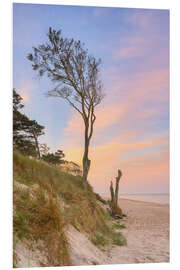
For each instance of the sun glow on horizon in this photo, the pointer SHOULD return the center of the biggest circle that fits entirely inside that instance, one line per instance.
(25, 97)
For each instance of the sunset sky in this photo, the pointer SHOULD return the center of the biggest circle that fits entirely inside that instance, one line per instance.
(132, 128)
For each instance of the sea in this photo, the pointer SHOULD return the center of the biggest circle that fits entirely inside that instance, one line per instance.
(160, 198)
(156, 198)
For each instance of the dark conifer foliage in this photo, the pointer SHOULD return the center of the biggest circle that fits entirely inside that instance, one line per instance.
(25, 131)
(54, 158)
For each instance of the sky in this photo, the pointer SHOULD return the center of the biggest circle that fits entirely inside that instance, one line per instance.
(131, 131)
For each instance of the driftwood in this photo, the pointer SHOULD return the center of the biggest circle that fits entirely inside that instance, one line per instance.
(115, 210)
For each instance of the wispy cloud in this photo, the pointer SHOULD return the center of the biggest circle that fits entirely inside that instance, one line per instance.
(146, 34)
(139, 160)
(151, 87)
(147, 19)
(129, 52)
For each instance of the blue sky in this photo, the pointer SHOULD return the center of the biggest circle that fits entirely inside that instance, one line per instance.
(134, 47)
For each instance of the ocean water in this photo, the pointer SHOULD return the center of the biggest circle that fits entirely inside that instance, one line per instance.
(156, 198)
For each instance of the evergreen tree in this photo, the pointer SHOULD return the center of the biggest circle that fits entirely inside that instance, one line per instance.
(35, 130)
(44, 149)
(54, 158)
(25, 131)
(17, 101)
(60, 155)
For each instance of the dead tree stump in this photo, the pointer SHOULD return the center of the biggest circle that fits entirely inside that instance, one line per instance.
(113, 203)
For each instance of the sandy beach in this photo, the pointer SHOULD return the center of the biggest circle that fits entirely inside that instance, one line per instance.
(147, 233)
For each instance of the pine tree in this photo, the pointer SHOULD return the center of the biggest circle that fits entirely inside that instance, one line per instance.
(54, 158)
(25, 131)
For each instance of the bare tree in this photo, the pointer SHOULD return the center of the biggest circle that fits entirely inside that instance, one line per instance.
(115, 209)
(75, 74)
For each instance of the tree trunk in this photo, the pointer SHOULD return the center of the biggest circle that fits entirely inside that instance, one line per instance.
(37, 145)
(112, 192)
(86, 162)
(86, 167)
(117, 187)
(114, 195)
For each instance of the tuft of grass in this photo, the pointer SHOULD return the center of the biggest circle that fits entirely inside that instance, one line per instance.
(100, 240)
(108, 216)
(119, 226)
(119, 239)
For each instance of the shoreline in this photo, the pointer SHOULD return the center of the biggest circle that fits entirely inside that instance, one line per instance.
(106, 197)
(158, 204)
(145, 202)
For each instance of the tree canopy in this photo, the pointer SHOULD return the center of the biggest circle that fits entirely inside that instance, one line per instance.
(75, 75)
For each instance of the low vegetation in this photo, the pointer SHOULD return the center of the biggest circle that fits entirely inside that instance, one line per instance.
(46, 201)
(119, 226)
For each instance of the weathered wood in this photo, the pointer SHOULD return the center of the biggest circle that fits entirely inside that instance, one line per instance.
(112, 192)
(114, 196)
(117, 187)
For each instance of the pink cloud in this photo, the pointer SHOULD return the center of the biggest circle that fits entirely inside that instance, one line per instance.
(146, 168)
(124, 111)
(139, 161)
(136, 46)
(129, 52)
(149, 85)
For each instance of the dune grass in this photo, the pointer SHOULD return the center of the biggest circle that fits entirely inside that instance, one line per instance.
(47, 199)
(39, 218)
(119, 226)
